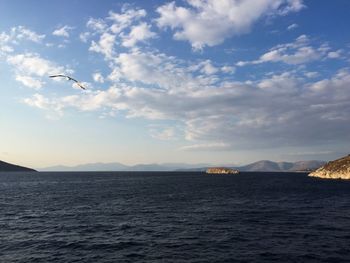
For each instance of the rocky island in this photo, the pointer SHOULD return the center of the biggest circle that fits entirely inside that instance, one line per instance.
(337, 169)
(8, 167)
(221, 170)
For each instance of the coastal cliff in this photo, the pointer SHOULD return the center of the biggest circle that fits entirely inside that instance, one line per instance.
(337, 169)
(220, 170)
(8, 167)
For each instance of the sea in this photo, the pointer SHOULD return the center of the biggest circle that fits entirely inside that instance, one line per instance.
(173, 217)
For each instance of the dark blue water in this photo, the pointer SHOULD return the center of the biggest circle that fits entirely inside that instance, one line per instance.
(173, 217)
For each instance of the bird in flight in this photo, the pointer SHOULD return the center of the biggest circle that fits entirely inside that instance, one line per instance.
(68, 78)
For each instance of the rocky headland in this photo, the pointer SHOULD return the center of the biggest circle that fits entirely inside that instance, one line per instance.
(337, 169)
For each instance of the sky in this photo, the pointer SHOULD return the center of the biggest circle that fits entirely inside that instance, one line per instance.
(191, 81)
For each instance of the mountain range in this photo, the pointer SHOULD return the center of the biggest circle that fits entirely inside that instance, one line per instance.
(122, 167)
(261, 166)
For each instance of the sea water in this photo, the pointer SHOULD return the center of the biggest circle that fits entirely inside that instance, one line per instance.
(173, 217)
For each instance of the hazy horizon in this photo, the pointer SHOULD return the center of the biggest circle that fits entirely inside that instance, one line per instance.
(168, 164)
(215, 82)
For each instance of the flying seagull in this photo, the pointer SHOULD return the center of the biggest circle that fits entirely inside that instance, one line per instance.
(68, 78)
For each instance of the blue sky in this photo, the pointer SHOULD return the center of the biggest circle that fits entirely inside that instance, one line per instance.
(194, 81)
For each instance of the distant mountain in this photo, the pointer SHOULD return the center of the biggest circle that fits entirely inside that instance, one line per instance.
(269, 166)
(164, 167)
(102, 167)
(8, 167)
(307, 165)
(261, 166)
(149, 167)
(265, 166)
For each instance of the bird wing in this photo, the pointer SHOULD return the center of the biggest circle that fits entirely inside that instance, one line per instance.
(81, 86)
(77, 82)
(58, 75)
(69, 78)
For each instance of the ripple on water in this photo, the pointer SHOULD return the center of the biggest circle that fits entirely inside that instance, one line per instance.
(173, 217)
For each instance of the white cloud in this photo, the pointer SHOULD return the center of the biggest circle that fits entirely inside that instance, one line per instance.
(160, 71)
(38, 100)
(115, 75)
(208, 68)
(22, 32)
(4, 38)
(94, 100)
(163, 134)
(139, 33)
(284, 82)
(5, 49)
(212, 113)
(97, 25)
(62, 32)
(29, 81)
(104, 45)
(17, 34)
(84, 37)
(85, 84)
(291, 6)
(228, 69)
(10, 41)
(335, 54)
(33, 64)
(292, 27)
(334, 85)
(30, 68)
(210, 22)
(302, 55)
(147, 67)
(298, 52)
(52, 107)
(125, 28)
(125, 19)
(98, 77)
(312, 74)
(281, 110)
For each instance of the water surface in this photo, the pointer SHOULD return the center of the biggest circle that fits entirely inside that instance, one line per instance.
(173, 217)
